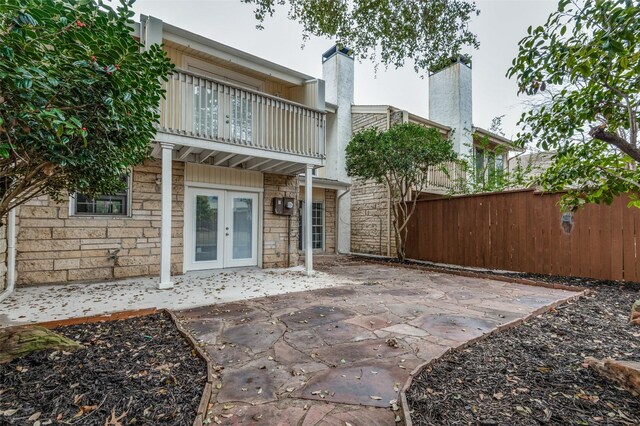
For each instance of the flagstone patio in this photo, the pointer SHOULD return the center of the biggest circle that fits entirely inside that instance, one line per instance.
(339, 355)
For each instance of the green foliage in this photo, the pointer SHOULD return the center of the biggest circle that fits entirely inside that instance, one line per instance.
(583, 65)
(78, 100)
(400, 158)
(423, 31)
(490, 174)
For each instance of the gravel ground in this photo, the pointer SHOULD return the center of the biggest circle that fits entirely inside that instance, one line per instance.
(534, 374)
(136, 371)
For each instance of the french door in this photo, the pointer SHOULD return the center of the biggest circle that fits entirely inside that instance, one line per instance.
(221, 228)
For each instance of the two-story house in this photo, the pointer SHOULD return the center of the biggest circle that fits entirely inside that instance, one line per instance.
(221, 188)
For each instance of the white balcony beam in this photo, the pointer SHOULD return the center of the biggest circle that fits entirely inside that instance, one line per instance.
(184, 153)
(308, 235)
(219, 159)
(273, 166)
(203, 156)
(165, 230)
(225, 147)
(254, 164)
(239, 161)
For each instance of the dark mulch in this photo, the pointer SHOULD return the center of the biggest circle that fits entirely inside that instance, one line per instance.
(533, 374)
(140, 367)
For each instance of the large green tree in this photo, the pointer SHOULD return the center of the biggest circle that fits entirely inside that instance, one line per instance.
(78, 97)
(399, 158)
(390, 32)
(583, 69)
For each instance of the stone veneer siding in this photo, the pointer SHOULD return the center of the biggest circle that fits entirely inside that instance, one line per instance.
(371, 228)
(53, 247)
(274, 246)
(3, 255)
(328, 197)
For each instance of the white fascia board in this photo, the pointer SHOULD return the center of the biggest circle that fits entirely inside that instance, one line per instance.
(235, 56)
(319, 182)
(428, 122)
(497, 139)
(370, 109)
(223, 147)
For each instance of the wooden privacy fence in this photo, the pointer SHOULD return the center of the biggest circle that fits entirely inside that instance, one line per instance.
(525, 231)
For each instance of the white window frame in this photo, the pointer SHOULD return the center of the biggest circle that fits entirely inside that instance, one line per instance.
(303, 226)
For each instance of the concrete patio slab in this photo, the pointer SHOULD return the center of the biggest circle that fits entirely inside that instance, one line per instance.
(63, 301)
(340, 355)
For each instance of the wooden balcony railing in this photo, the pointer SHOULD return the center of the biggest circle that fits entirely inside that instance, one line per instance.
(206, 108)
(438, 179)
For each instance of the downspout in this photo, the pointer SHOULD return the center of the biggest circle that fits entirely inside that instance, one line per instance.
(338, 221)
(389, 226)
(11, 255)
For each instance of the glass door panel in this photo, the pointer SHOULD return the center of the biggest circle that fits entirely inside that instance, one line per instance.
(206, 241)
(242, 228)
(204, 221)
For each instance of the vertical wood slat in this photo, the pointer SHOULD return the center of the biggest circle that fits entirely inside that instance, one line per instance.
(522, 231)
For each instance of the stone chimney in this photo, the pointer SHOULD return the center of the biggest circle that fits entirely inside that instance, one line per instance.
(337, 72)
(450, 103)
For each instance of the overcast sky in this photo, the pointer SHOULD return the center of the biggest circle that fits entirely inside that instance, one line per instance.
(501, 24)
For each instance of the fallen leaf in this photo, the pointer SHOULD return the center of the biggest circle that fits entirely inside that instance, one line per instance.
(377, 398)
(498, 395)
(35, 416)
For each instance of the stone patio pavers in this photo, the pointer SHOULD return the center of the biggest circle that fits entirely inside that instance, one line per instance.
(339, 355)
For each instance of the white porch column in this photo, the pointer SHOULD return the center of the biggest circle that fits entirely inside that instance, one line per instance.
(165, 233)
(308, 207)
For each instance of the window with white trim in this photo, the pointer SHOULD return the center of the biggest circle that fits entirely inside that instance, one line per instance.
(103, 205)
(317, 225)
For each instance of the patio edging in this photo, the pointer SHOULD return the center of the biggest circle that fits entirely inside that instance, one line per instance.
(406, 415)
(201, 412)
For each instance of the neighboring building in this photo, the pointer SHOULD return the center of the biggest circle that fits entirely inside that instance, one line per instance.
(235, 133)
(450, 111)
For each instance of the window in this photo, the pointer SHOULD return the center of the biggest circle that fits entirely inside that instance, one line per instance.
(111, 205)
(205, 114)
(205, 111)
(317, 226)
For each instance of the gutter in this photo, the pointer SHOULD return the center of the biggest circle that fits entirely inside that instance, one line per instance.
(11, 255)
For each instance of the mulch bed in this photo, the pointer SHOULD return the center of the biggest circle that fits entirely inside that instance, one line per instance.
(135, 371)
(534, 374)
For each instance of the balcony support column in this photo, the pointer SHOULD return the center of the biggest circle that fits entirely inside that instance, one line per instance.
(308, 234)
(165, 231)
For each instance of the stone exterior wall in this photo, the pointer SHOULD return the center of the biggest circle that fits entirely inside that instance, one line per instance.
(371, 228)
(328, 197)
(54, 247)
(3, 255)
(274, 237)
(330, 220)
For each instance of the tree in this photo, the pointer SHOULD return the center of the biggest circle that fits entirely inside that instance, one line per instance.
(393, 31)
(400, 159)
(78, 99)
(485, 169)
(584, 66)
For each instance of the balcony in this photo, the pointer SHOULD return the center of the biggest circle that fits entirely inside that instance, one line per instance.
(211, 116)
(441, 182)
